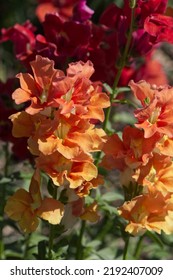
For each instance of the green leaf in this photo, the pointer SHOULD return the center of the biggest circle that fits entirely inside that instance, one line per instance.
(170, 3)
(50, 187)
(155, 238)
(5, 180)
(63, 196)
(106, 254)
(112, 210)
(102, 171)
(123, 89)
(107, 88)
(94, 243)
(124, 117)
(111, 196)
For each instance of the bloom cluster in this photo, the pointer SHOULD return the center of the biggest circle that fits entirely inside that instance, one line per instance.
(144, 157)
(60, 124)
(69, 34)
(63, 106)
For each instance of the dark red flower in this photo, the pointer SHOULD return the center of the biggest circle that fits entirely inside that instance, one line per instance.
(64, 3)
(160, 28)
(68, 36)
(81, 12)
(147, 7)
(22, 37)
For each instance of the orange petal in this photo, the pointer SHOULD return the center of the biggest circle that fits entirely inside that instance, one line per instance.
(142, 90)
(20, 96)
(51, 210)
(27, 83)
(43, 69)
(90, 214)
(86, 170)
(34, 190)
(23, 125)
(29, 222)
(80, 69)
(17, 204)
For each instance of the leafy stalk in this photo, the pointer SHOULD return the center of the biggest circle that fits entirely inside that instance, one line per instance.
(52, 230)
(126, 248)
(2, 196)
(79, 252)
(107, 115)
(138, 248)
(115, 91)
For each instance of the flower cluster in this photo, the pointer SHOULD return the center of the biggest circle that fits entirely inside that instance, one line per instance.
(69, 34)
(61, 112)
(144, 157)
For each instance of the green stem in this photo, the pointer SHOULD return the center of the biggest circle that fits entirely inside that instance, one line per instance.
(121, 66)
(126, 248)
(108, 224)
(117, 78)
(51, 231)
(7, 158)
(79, 252)
(3, 198)
(137, 251)
(27, 241)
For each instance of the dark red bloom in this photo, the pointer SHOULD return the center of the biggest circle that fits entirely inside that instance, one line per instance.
(160, 28)
(147, 7)
(64, 3)
(22, 37)
(68, 36)
(81, 12)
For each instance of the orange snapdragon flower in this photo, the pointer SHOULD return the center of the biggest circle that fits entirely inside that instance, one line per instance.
(60, 126)
(165, 146)
(72, 171)
(90, 213)
(151, 211)
(131, 151)
(26, 207)
(156, 115)
(41, 88)
(76, 209)
(158, 173)
(72, 94)
(68, 136)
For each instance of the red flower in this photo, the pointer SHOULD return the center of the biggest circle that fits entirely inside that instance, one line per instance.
(160, 28)
(21, 35)
(68, 36)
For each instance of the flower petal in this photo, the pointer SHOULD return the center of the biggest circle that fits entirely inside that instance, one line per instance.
(51, 210)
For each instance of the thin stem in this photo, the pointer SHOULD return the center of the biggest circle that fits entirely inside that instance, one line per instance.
(2, 198)
(117, 78)
(7, 158)
(126, 248)
(79, 252)
(108, 224)
(122, 64)
(52, 231)
(138, 248)
(27, 241)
